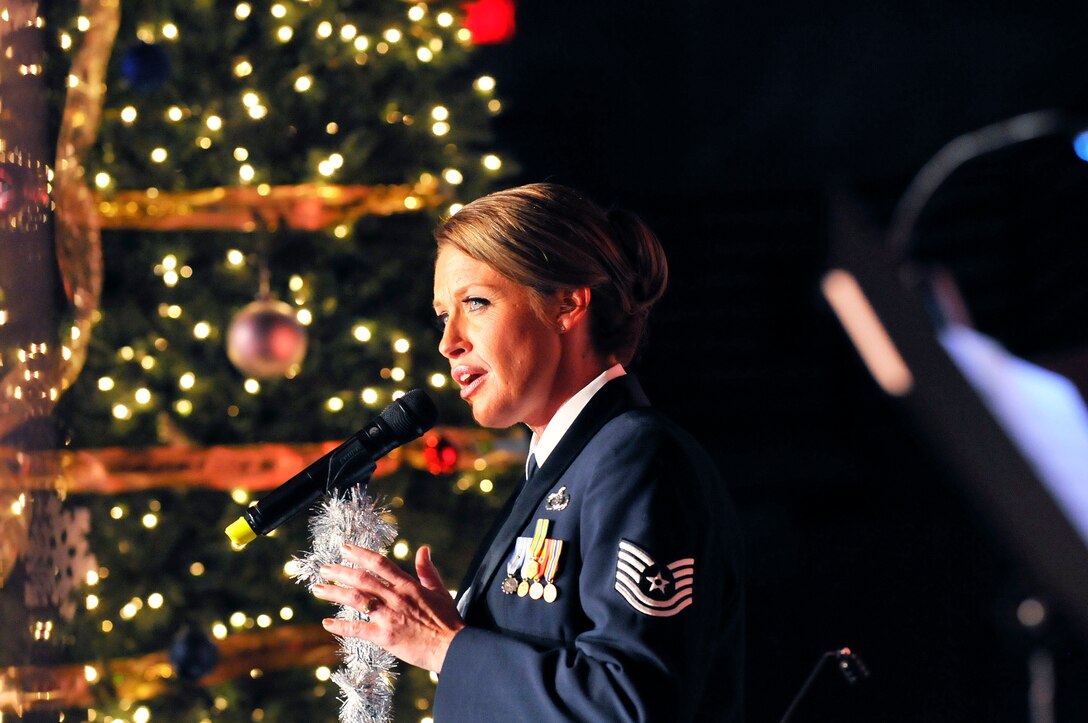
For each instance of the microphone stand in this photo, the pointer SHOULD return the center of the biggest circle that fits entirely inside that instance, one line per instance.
(852, 667)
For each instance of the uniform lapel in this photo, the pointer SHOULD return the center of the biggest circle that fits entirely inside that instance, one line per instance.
(614, 398)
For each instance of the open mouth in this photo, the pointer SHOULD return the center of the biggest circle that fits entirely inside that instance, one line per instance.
(467, 379)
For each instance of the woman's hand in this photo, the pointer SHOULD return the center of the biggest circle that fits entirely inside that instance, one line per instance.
(413, 620)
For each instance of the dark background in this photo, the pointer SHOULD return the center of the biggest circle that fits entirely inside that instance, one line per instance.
(732, 128)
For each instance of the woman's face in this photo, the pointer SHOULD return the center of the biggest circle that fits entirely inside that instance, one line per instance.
(504, 358)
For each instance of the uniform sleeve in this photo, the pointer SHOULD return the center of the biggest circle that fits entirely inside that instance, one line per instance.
(655, 581)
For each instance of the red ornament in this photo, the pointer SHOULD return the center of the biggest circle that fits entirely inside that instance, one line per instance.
(439, 454)
(490, 21)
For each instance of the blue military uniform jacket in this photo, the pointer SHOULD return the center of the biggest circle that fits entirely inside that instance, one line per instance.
(646, 621)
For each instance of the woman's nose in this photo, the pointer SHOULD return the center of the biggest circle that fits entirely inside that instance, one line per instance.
(453, 343)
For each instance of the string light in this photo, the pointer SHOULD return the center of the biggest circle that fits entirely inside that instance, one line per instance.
(362, 43)
(128, 115)
(284, 33)
(334, 404)
(170, 31)
(348, 32)
(202, 329)
(242, 11)
(324, 29)
(174, 113)
(252, 386)
(401, 345)
(369, 395)
(392, 35)
(158, 155)
(453, 176)
(278, 10)
(484, 83)
(416, 12)
(425, 55)
(492, 162)
(438, 380)
(303, 83)
(243, 68)
(213, 122)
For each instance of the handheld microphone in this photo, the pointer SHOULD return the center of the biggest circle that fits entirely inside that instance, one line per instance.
(353, 462)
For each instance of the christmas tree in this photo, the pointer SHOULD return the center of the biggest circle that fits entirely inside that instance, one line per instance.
(266, 178)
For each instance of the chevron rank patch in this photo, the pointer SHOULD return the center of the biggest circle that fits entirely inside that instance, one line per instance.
(659, 590)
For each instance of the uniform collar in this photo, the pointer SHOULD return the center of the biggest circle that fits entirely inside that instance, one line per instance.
(540, 446)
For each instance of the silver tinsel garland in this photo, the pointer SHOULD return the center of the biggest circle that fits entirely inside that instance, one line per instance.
(366, 678)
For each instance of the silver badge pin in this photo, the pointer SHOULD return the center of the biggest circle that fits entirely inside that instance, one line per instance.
(557, 500)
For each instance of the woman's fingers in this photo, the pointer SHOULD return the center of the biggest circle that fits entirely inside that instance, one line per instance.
(349, 628)
(426, 570)
(364, 601)
(377, 565)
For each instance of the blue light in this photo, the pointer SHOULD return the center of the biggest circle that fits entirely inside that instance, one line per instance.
(1080, 145)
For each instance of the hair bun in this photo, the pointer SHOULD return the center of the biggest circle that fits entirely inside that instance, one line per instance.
(647, 272)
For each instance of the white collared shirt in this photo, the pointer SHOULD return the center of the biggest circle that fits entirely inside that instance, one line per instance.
(542, 445)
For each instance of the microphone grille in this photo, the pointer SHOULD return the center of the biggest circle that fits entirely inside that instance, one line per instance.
(411, 415)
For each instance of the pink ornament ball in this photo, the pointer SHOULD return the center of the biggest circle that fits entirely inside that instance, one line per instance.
(265, 339)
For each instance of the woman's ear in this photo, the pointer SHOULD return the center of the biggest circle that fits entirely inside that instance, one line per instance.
(573, 308)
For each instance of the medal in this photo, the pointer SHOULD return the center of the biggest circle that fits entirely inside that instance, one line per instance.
(510, 583)
(536, 590)
(531, 568)
(553, 548)
(523, 588)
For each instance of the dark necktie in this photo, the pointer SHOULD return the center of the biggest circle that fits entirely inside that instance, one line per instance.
(531, 468)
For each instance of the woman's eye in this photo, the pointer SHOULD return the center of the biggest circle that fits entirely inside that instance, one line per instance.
(440, 321)
(475, 303)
